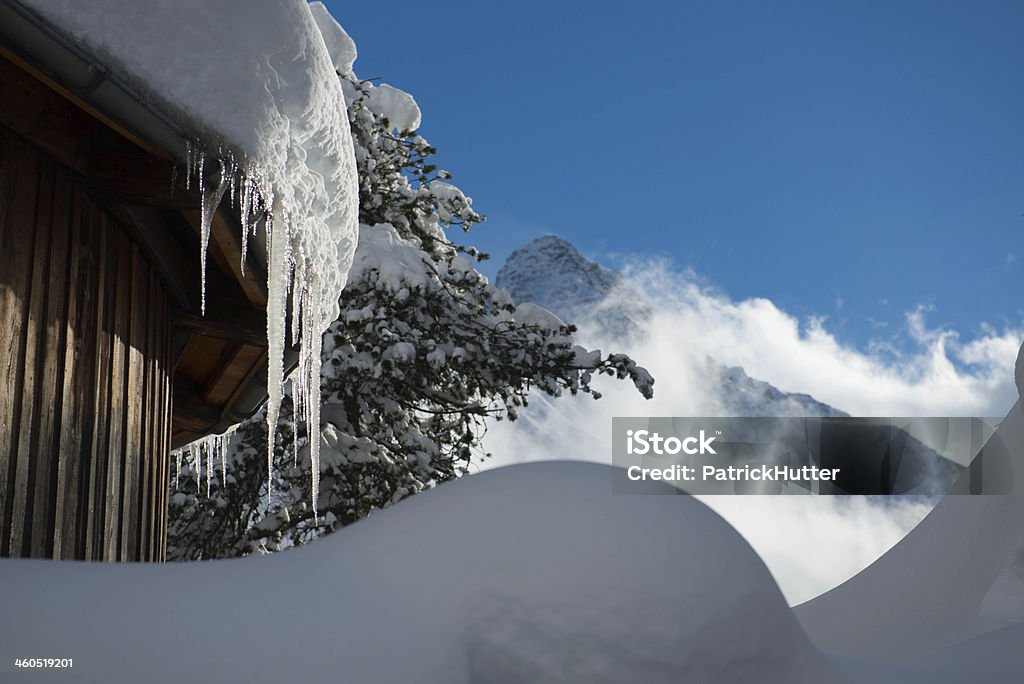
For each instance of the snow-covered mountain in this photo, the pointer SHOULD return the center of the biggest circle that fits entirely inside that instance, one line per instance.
(551, 273)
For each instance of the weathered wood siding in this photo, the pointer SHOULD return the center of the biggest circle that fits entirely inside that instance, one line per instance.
(85, 373)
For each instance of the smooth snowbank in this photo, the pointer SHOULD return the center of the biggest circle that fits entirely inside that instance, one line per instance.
(958, 574)
(532, 573)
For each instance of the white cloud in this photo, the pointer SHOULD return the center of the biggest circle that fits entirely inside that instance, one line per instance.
(942, 374)
(936, 373)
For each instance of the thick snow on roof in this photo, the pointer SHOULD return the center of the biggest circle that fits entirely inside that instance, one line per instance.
(254, 83)
(253, 78)
(339, 45)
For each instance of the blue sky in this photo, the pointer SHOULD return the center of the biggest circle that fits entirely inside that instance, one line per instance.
(848, 160)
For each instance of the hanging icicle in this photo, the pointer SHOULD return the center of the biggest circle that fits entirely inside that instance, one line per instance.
(213, 448)
(292, 276)
(197, 465)
(209, 465)
(177, 472)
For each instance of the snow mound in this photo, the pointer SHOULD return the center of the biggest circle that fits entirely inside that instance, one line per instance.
(958, 574)
(532, 573)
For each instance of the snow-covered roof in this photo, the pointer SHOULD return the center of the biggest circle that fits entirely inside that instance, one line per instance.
(248, 78)
(253, 86)
(341, 48)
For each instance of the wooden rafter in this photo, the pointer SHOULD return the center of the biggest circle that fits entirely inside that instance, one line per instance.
(224, 242)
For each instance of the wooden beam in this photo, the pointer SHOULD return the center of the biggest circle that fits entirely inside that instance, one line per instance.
(235, 368)
(258, 366)
(225, 240)
(37, 113)
(194, 416)
(244, 327)
(77, 102)
(120, 172)
(190, 342)
(190, 411)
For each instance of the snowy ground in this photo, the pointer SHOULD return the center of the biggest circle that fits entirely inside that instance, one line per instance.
(532, 573)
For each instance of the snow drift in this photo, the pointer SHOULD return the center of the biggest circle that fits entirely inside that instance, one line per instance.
(533, 573)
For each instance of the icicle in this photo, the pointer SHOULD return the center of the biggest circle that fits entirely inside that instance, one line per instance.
(290, 275)
(244, 209)
(296, 411)
(201, 173)
(212, 446)
(197, 453)
(190, 151)
(209, 464)
(298, 294)
(224, 441)
(278, 275)
(311, 347)
(211, 200)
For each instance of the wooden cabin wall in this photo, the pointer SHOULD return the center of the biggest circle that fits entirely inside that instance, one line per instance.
(85, 373)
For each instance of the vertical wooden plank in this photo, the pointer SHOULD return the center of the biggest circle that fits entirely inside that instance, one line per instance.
(156, 490)
(155, 455)
(19, 178)
(134, 414)
(147, 453)
(70, 437)
(86, 370)
(115, 455)
(158, 425)
(78, 518)
(10, 304)
(99, 449)
(158, 487)
(54, 216)
(25, 215)
(166, 412)
(160, 455)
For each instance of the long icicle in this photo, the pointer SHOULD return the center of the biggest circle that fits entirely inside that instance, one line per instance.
(289, 271)
(277, 277)
(211, 197)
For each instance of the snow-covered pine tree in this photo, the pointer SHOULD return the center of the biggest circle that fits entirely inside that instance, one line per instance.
(426, 352)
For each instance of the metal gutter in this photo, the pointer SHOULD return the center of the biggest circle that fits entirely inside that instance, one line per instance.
(81, 75)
